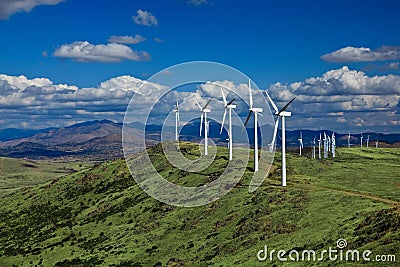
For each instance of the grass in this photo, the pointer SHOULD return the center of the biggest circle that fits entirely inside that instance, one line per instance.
(102, 217)
(18, 173)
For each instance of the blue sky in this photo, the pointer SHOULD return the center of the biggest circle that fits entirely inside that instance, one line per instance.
(270, 41)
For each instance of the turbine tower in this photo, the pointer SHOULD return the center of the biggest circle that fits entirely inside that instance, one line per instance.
(177, 122)
(281, 113)
(319, 146)
(325, 146)
(348, 140)
(367, 141)
(301, 142)
(204, 110)
(361, 138)
(229, 106)
(255, 111)
(333, 145)
(329, 144)
(313, 144)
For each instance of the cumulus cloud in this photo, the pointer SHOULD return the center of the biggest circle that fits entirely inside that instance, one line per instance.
(9, 7)
(126, 39)
(145, 18)
(86, 52)
(363, 54)
(340, 99)
(341, 96)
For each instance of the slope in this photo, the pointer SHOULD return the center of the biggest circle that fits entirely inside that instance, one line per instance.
(102, 217)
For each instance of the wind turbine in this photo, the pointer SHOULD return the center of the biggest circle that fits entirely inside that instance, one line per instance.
(281, 113)
(329, 144)
(376, 143)
(333, 145)
(255, 111)
(301, 142)
(361, 138)
(325, 146)
(348, 140)
(177, 122)
(229, 106)
(203, 117)
(313, 143)
(319, 146)
(367, 140)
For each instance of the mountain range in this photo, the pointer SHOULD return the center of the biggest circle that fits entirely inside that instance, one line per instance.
(100, 140)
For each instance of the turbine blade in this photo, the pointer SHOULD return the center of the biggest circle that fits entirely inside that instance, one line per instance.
(275, 132)
(247, 120)
(177, 105)
(223, 122)
(223, 97)
(230, 102)
(272, 102)
(208, 102)
(179, 120)
(201, 122)
(199, 105)
(251, 96)
(286, 106)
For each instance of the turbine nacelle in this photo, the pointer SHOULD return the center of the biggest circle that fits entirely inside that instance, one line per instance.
(284, 114)
(258, 110)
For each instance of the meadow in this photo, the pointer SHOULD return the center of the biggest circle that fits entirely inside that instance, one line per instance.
(100, 216)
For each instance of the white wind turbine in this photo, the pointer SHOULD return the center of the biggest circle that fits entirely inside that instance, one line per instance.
(325, 146)
(255, 111)
(281, 113)
(329, 144)
(203, 117)
(301, 142)
(367, 142)
(313, 144)
(361, 138)
(319, 146)
(348, 140)
(333, 145)
(229, 106)
(376, 143)
(177, 122)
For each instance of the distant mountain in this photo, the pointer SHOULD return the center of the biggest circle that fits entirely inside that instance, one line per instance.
(93, 140)
(12, 133)
(101, 140)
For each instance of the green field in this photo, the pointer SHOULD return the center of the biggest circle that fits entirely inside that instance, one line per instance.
(18, 173)
(101, 216)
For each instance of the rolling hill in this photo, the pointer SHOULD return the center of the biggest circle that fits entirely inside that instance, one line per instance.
(100, 217)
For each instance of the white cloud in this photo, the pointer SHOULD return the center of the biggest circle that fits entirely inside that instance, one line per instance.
(341, 95)
(145, 18)
(197, 2)
(340, 99)
(158, 40)
(363, 54)
(9, 7)
(126, 39)
(86, 52)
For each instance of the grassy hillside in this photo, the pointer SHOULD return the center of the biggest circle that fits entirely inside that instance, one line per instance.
(101, 216)
(17, 173)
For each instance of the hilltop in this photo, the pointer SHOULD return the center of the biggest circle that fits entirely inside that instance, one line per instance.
(100, 216)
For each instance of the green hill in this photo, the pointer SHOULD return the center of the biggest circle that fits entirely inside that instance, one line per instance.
(101, 216)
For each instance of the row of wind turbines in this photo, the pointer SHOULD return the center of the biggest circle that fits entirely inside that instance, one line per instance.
(255, 111)
(349, 144)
